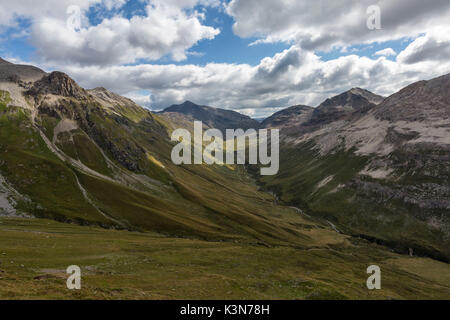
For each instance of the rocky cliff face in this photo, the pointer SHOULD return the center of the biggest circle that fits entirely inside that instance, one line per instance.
(59, 84)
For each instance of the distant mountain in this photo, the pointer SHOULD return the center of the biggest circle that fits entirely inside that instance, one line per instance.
(212, 117)
(260, 120)
(290, 117)
(344, 105)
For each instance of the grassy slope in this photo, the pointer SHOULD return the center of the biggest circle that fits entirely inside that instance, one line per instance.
(130, 265)
(27, 163)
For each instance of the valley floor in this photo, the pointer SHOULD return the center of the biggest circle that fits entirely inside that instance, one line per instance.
(35, 253)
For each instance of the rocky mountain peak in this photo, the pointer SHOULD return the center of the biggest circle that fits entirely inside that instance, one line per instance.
(102, 92)
(371, 97)
(344, 105)
(58, 83)
(188, 103)
(110, 99)
(186, 107)
(353, 99)
(99, 89)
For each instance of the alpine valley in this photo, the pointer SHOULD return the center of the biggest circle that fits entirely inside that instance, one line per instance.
(86, 178)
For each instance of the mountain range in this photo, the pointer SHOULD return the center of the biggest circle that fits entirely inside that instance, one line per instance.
(359, 173)
(377, 167)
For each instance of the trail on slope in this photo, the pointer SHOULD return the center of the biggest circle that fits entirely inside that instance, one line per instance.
(80, 166)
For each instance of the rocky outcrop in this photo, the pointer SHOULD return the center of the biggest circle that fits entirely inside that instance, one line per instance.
(110, 99)
(58, 83)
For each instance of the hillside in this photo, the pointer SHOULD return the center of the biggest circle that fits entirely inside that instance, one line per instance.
(95, 158)
(86, 176)
(381, 173)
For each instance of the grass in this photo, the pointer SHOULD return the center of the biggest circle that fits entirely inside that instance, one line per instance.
(37, 173)
(131, 265)
(89, 154)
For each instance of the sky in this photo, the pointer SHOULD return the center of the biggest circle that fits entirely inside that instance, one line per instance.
(252, 56)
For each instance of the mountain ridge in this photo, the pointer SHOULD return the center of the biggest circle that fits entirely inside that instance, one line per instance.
(283, 118)
(217, 118)
(17, 72)
(94, 158)
(344, 105)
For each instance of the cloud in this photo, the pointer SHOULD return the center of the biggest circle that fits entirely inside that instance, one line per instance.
(434, 46)
(166, 29)
(388, 52)
(11, 11)
(325, 24)
(141, 99)
(103, 54)
(292, 77)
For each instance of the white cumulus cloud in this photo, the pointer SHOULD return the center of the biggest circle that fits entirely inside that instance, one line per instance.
(433, 46)
(292, 77)
(167, 28)
(388, 52)
(324, 24)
